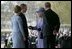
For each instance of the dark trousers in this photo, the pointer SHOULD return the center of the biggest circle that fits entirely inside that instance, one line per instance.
(6, 40)
(51, 41)
(26, 43)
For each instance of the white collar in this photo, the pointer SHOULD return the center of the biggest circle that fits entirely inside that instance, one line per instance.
(15, 14)
(47, 8)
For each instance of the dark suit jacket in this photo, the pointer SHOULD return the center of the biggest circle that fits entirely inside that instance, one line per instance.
(24, 24)
(52, 20)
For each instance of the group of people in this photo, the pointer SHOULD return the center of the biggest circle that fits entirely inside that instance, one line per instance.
(47, 25)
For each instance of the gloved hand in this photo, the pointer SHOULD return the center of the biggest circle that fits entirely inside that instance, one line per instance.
(30, 27)
(41, 35)
(39, 29)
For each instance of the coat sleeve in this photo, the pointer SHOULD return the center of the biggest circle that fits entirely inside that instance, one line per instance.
(57, 24)
(20, 26)
(36, 28)
(45, 27)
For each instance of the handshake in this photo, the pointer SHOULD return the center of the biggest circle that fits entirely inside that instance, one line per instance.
(34, 28)
(30, 27)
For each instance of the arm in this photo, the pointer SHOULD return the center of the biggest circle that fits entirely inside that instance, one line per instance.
(34, 28)
(45, 27)
(21, 27)
(31, 27)
(57, 25)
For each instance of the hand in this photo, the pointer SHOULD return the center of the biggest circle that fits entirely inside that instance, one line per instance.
(39, 29)
(30, 27)
(54, 32)
(58, 46)
(24, 39)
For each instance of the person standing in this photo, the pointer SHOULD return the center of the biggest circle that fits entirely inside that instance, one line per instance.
(39, 27)
(18, 34)
(51, 27)
(25, 28)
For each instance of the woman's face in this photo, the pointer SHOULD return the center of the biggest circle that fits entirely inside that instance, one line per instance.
(39, 14)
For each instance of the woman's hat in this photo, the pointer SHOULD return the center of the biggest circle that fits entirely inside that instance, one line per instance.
(40, 10)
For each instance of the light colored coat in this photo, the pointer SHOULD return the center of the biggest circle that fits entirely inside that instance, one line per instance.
(17, 32)
(40, 25)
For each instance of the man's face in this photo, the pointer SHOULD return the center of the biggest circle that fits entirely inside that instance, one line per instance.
(24, 9)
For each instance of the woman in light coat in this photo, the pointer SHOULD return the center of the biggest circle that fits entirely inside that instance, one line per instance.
(39, 27)
(18, 36)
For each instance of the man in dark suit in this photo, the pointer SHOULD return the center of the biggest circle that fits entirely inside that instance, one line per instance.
(24, 9)
(51, 27)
